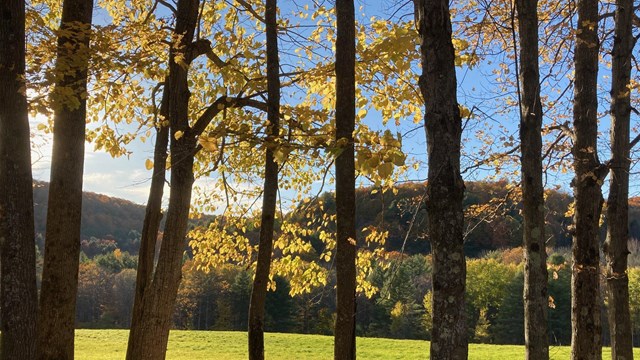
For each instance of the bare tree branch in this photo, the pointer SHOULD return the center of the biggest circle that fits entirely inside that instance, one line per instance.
(223, 102)
(250, 9)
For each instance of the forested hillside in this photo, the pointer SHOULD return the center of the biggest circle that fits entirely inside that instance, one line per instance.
(494, 219)
(492, 211)
(103, 217)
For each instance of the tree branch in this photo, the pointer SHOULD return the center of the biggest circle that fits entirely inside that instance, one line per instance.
(634, 142)
(479, 163)
(564, 127)
(223, 102)
(250, 9)
(203, 47)
(169, 6)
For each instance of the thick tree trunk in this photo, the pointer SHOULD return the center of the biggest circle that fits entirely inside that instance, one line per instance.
(270, 193)
(586, 342)
(19, 297)
(618, 204)
(152, 219)
(445, 188)
(535, 255)
(152, 333)
(62, 247)
(149, 339)
(345, 337)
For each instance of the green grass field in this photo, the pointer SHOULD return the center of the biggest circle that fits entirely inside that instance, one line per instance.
(201, 345)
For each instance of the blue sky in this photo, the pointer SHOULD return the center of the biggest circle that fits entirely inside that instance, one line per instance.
(126, 177)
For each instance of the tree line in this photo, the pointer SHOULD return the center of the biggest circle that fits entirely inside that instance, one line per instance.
(217, 300)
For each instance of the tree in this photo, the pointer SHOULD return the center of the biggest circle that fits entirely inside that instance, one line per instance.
(240, 298)
(586, 340)
(18, 298)
(56, 314)
(150, 333)
(615, 247)
(509, 321)
(279, 307)
(445, 188)
(634, 300)
(560, 307)
(508, 327)
(152, 218)
(345, 326)
(119, 309)
(270, 188)
(94, 288)
(149, 336)
(535, 267)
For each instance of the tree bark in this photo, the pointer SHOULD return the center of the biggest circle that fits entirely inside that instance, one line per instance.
(270, 193)
(345, 337)
(152, 219)
(19, 296)
(149, 339)
(62, 247)
(535, 255)
(615, 247)
(445, 188)
(586, 342)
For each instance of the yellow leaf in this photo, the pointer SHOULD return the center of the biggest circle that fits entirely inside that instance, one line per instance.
(208, 143)
(385, 170)
(398, 159)
(178, 134)
(464, 111)
(148, 164)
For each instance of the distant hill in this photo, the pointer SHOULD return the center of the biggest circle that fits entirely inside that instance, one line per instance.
(110, 218)
(403, 215)
(103, 217)
(484, 231)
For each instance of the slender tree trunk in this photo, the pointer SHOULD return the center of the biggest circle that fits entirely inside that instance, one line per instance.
(19, 296)
(445, 188)
(149, 339)
(270, 193)
(62, 246)
(345, 337)
(615, 248)
(535, 255)
(152, 218)
(586, 342)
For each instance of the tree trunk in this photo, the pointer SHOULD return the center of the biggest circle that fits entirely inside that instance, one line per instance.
(152, 218)
(152, 333)
(615, 247)
(535, 255)
(445, 188)
(270, 193)
(345, 337)
(149, 339)
(19, 296)
(62, 247)
(586, 342)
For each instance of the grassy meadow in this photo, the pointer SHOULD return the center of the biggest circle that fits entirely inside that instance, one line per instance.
(227, 345)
